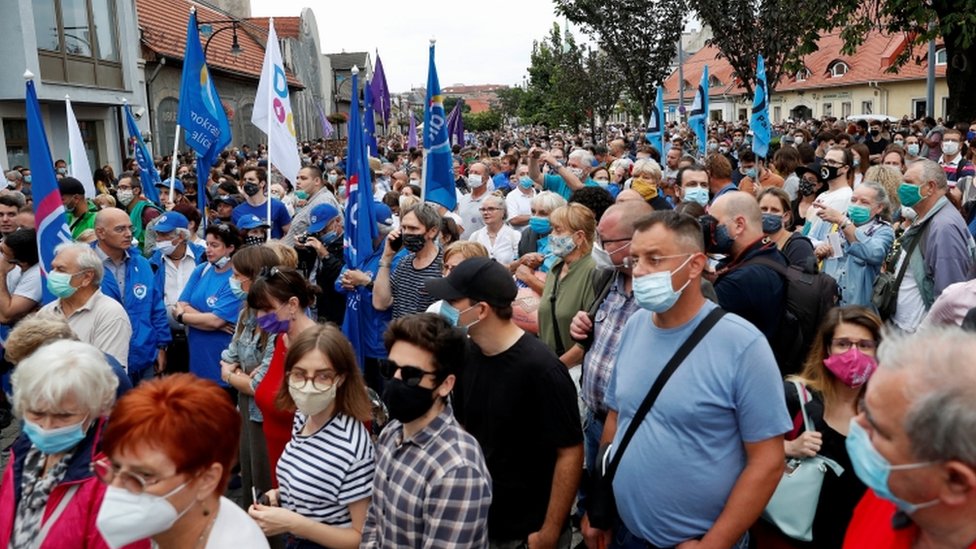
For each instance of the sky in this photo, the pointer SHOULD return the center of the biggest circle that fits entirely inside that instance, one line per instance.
(478, 42)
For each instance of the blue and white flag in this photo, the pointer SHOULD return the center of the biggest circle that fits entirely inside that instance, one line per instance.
(360, 225)
(438, 161)
(147, 169)
(759, 121)
(698, 117)
(655, 126)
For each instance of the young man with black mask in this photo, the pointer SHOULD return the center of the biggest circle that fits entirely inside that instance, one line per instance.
(256, 203)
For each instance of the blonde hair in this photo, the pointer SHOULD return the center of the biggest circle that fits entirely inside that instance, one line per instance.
(466, 249)
(576, 217)
(888, 177)
(32, 332)
(287, 256)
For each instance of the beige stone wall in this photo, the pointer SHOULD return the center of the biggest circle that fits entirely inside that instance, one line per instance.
(892, 98)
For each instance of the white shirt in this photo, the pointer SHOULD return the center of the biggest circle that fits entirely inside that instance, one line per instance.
(469, 208)
(177, 274)
(838, 200)
(235, 528)
(518, 203)
(505, 248)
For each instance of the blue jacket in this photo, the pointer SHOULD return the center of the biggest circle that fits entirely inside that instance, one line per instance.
(856, 271)
(156, 262)
(144, 304)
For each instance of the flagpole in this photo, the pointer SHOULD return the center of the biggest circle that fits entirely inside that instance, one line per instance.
(423, 168)
(172, 169)
(270, 121)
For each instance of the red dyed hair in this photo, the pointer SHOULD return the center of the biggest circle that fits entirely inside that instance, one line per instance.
(189, 419)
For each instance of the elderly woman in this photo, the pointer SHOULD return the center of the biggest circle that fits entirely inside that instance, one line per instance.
(533, 249)
(569, 285)
(208, 306)
(646, 180)
(48, 493)
(867, 239)
(170, 445)
(326, 471)
(497, 236)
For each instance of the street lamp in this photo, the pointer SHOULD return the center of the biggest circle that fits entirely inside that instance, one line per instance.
(206, 29)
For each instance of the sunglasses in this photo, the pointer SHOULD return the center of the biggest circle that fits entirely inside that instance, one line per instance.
(411, 375)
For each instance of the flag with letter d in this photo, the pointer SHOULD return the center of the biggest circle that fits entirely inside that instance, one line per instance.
(438, 169)
(272, 111)
(759, 121)
(360, 226)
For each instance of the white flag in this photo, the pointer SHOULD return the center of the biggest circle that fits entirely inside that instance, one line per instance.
(272, 111)
(78, 166)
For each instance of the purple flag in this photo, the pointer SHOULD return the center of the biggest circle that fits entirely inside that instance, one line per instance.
(455, 124)
(412, 134)
(380, 91)
(326, 127)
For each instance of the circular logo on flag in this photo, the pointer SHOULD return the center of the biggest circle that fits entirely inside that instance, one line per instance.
(139, 290)
(211, 301)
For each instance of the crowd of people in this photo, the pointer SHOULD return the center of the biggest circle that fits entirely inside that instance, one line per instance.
(686, 330)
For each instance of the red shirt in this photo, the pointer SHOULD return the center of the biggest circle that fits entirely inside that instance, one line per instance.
(871, 526)
(277, 423)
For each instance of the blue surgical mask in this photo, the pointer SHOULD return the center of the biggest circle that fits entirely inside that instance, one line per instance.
(54, 441)
(450, 313)
(525, 182)
(873, 469)
(696, 194)
(771, 223)
(237, 289)
(654, 292)
(723, 241)
(540, 224)
(59, 284)
(912, 149)
(751, 173)
(329, 238)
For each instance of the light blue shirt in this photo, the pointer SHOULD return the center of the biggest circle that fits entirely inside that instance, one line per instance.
(678, 471)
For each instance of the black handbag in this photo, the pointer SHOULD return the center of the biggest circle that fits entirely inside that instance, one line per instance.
(601, 507)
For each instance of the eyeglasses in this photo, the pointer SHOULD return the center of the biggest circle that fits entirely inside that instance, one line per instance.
(834, 163)
(411, 375)
(487, 209)
(845, 344)
(132, 482)
(321, 381)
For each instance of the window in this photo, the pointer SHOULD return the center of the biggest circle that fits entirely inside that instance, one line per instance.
(89, 137)
(940, 56)
(867, 107)
(77, 42)
(828, 109)
(166, 114)
(838, 69)
(920, 108)
(802, 74)
(777, 114)
(845, 109)
(714, 82)
(15, 133)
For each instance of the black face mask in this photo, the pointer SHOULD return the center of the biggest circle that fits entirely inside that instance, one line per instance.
(251, 189)
(829, 173)
(875, 133)
(405, 403)
(807, 188)
(414, 242)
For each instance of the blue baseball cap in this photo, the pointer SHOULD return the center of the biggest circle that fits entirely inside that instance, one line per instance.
(321, 216)
(170, 221)
(177, 185)
(251, 221)
(382, 214)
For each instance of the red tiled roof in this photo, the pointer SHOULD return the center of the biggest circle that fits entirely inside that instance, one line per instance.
(473, 89)
(285, 27)
(868, 64)
(163, 24)
(477, 105)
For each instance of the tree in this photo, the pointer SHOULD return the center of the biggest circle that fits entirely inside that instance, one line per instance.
(783, 31)
(954, 21)
(509, 101)
(484, 121)
(450, 102)
(639, 36)
(602, 86)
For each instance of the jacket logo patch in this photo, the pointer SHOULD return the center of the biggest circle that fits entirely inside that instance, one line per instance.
(139, 290)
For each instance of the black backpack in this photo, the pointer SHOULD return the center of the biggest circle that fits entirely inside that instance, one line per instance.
(808, 298)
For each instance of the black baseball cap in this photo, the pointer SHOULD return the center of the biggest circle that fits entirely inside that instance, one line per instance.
(70, 186)
(478, 279)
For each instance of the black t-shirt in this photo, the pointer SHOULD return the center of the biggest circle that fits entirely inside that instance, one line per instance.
(521, 405)
(876, 147)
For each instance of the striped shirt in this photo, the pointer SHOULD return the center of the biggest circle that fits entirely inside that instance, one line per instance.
(407, 285)
(598, 362)
(319, 475)
(432, 490)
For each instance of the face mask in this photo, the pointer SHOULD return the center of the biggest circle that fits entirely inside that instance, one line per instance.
(446, 310)
(723, 149)
(602, 258)
(771, 223)
(125, 197)
(900, 142)
(271, 324)
(655, 292)
(166, 247)
(251, 189)
(859, 214)
(712, 147)
(909, 194)
(950, 148)
(561, 245)
(475, 181)
(405, 403)
(751, 173)
(873, 469)
(696, 194)
(970, 135)
(723, 241)
(59, 284)
(829, 173)
(807, 188)
(63, 171)
(540, 224)
(329, 238)
(301, 195)
(332, 178)
(414, 242)
(125, 517)
(737, 141)
(875, 133)
(601, 182)
(27, 178)
(220, 263)
(237, 289)
(311, 401)
(797, 141)
(525, 182)
(234, 173)
(852, 367)
(578, 172)
(857, 161)
(54, 441)
(912, 149)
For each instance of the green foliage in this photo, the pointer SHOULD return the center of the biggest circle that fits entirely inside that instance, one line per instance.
(450, 102)
(484, 121)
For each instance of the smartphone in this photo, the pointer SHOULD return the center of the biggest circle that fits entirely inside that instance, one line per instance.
(396, 243)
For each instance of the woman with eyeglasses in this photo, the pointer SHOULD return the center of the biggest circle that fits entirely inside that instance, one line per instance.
(326, 471)
(62, 392)
(497, 236)
(280, 297)
(208, 306)
(169, 448)
(832, 383)
(533, 249)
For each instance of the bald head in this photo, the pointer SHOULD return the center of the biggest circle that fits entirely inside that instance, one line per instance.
(740, 214)
(629, 195)
(109, 217)
(623, 215)
(113, 229)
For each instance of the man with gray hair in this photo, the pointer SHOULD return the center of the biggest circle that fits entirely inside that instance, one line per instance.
(912, 444)
(942, 249)
(75, 279)
(562, 180)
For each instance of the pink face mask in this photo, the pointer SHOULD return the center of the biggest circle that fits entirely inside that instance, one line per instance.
(852, 367)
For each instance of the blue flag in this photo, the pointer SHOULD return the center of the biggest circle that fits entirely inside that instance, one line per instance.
(438, 168)
(759, 121)
(201, 113)
(49, 218)
(147, 169)
(698, 117)
(360, 225)
(369, 122)
(655, 126)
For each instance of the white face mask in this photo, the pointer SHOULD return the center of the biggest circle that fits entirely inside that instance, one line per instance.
(311, 401)
(166, 247)
(950, 147)
(126, 517)
(475, 181)
(125, 197)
